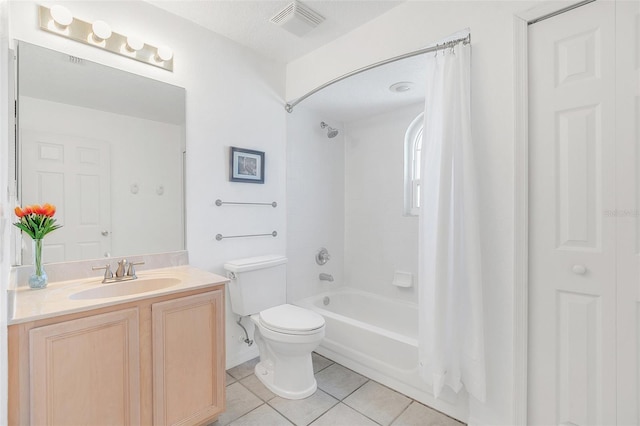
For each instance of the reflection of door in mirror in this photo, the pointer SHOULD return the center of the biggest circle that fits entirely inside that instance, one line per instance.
(134, 203)
(71, 172)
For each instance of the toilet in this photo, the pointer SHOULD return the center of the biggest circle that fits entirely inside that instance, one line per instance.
(285, 334)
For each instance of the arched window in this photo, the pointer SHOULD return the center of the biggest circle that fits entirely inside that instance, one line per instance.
(412, 158)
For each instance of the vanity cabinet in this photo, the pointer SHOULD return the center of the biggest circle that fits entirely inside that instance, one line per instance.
(86, 369)
(156, 361)
(188, 371)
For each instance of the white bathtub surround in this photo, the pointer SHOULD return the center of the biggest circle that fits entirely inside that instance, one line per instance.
(451, 337)
(315, 203)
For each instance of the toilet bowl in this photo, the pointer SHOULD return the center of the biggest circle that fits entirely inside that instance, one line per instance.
(286, 335)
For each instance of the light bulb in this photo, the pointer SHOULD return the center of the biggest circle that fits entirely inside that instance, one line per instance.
(61, 16)
(101, 31)
(164, 53)
(134, 44)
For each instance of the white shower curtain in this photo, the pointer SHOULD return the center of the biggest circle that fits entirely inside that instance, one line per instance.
(451, 332)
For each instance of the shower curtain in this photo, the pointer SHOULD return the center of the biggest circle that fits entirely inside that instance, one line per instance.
(451, 336)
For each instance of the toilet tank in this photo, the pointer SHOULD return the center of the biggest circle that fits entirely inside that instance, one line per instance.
(257, 283)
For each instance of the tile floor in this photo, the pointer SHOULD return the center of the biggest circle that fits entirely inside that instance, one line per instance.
(343, 398)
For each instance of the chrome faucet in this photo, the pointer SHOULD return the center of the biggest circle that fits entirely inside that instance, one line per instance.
(108, 275)
(122, 273)
(326, 277)
(121, 268)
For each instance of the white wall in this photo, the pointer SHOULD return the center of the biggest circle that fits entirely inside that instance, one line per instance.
(233, 98)
(416, 24)
(379, 238)
(142, 152)
(6, 210)
(315, 199)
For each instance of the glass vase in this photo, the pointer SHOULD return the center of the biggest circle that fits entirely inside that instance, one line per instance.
(39, 277)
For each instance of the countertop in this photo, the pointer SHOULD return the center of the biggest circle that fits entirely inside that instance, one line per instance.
(54, 300)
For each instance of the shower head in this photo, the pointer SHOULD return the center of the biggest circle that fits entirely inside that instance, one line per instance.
(331, 132)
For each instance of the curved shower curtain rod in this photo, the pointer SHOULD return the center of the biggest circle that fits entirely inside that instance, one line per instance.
(447, 44)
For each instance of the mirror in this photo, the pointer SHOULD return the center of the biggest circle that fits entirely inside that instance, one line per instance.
(107, 148)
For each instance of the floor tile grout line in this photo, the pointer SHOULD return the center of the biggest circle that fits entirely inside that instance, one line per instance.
(258, 396)
(411, 401)
(248, 412)
(336, 399)
(347, 396)
(323, 368)
(361, 413)
(281, 413)
(314, 419)
(326, 366)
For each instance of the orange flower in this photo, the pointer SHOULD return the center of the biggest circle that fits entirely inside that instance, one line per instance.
(49, 209)
(36, 220)
(38, 209)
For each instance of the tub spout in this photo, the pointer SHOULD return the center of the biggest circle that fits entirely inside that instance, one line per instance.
(326, 277)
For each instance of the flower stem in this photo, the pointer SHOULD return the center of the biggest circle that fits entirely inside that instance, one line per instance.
(37, 255)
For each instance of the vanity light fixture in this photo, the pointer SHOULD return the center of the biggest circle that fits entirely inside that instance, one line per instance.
(164, 53)
(59, 20)
(61, 17)
(134, 44)
(101, 31)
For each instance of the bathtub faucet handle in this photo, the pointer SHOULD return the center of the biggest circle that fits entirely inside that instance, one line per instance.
(323, 256)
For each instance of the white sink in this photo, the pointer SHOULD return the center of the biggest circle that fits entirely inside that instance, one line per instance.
(126, 288)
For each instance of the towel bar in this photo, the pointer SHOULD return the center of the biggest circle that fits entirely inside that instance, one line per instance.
(220, 237)
(219, 202)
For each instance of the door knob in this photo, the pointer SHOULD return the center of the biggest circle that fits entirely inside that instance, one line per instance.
(579, 269)
(105, 233)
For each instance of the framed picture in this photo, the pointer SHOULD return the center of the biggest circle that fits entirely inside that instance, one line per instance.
(246, 165)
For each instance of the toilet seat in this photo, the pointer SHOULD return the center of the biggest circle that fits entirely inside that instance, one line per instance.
(290, 319)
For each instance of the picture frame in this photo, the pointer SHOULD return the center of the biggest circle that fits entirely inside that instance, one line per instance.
(246, 165)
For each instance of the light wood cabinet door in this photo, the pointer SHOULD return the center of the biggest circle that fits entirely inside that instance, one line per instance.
(86, 371)
(188, 359)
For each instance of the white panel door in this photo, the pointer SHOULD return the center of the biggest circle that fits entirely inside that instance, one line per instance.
(72, 173)
(572, 234)
(628, 208)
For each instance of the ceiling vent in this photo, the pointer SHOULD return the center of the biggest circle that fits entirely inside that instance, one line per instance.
(297, 18)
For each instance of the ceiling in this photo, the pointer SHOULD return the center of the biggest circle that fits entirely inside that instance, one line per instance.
(247, 22)
(368, 93)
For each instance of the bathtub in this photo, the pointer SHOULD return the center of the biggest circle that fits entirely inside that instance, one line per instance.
(369, 328)
(377, 337)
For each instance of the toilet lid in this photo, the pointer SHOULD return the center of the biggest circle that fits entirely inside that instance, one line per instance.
(290, 318)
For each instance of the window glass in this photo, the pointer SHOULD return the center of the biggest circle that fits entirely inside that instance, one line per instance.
(412, 172)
